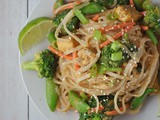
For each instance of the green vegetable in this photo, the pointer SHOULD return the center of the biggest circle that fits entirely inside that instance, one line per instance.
(51, 94)
(138, 4)
(152, 37)
(106, 101)
(137, 101)
(103, 69)
(125, 37)
(112, 16)
(96, 118)
(84, 96)
(152, 18)
(93, 71)
(92, 8)
(72, 25)
(44, 63)
(116, 56)
(52, 39)
(147, 5)
(58, 3)
(116, 46)
(80, 16)
(110, 3)
(77, 102)
(97, 35)
(106, 60)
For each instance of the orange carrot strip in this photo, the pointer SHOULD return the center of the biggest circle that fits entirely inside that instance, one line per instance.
(115, 27)
(131, 3)
(121, 33)
(76, 64)
(100, 108)
(145, 28)
(114, 112)
(67, 6)
(95, 18)
(53, 50)
(105, 43)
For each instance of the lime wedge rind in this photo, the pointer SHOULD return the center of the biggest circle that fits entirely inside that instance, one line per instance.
(27, 30)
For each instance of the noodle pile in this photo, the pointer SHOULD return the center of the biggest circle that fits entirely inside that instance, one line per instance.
(123, 85)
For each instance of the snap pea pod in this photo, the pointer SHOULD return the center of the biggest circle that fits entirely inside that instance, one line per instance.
(92, 8)
(58, 3)
(77, 102)
(137, 101)
(51, 94)
(51, 37)
(153, 38)
(138, 4)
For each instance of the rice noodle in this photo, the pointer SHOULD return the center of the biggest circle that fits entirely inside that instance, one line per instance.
(124, 85)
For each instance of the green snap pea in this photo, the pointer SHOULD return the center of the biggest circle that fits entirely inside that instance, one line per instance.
(137, 101)
(51, 94)
(58, 3)
(152, 37)
(92, 8)
(138, 4)
(51, 37)
(77, 102)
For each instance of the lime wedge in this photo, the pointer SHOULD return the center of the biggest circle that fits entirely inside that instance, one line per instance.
(33, 33)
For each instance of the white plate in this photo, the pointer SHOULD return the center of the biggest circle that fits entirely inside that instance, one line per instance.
(36, 86)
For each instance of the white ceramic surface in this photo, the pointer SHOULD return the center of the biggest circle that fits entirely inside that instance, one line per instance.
(36, 86)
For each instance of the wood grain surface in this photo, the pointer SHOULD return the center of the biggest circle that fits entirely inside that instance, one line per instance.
(15, 104)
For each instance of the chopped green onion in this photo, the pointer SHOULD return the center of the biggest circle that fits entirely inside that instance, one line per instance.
(112, 16)
(80, 16)
(125, 36)
(93, 71)
(152, 37)
(116, 56)
(104, 69)
(97, 35)
(116, 46)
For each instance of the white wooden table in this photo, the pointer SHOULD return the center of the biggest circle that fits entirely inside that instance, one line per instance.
(15, 104)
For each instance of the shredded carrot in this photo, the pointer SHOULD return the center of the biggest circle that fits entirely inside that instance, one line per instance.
(66, 7)
(76, 64)
(95, 18)
(105, 43)
(53, 50)
(116, 27)
(100, 108)
(145, 28)
(114, 112)
(121, 33)
(131, 3)
(143, 13)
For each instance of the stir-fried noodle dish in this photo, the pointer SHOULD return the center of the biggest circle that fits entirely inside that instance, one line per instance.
(103, 59)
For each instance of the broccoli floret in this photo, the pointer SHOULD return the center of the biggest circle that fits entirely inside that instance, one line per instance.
(72, 25)
(106, 60)
(152, 19)
(44, 63)
(108, 104)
